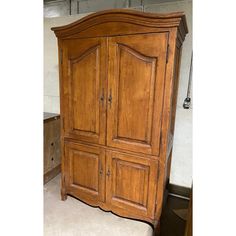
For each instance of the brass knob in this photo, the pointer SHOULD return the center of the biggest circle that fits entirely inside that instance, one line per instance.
(110, 98)
(102, 96)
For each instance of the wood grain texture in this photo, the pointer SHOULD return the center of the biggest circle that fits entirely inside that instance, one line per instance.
(118, 91)
(85, 84)
(136, 82)
(129, 181)
(82, 100)
(122, 21)
(85, 167)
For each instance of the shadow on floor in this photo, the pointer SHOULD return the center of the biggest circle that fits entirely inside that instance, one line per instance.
(68, 212)
(171, 224)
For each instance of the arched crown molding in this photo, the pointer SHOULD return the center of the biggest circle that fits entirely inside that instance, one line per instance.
(122, 17)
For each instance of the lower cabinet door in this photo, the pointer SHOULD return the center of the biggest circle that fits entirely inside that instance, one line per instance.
(84, 175)
(131, 183)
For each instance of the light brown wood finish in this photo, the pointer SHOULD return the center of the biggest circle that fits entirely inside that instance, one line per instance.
(85, 105)
(122, 22)
(85, 166)
(134, 114)
(129, 181)
(118, 91)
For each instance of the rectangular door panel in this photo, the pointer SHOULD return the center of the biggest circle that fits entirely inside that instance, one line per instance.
(85, 74)
(84, 171)
(136, 72)
(131, 183)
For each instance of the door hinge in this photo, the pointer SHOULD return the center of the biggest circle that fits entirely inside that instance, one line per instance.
(61, 56)
(167, 53)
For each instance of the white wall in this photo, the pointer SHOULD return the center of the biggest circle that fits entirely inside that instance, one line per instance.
(181, 169)
(60, 8)
(51, 70)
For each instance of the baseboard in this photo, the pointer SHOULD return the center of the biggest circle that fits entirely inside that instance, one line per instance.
(179, 190)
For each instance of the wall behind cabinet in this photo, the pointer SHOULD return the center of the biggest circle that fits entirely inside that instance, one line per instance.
(51, 69)
(181, 171)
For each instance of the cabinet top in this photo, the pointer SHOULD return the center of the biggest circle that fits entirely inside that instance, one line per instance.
(121, 21)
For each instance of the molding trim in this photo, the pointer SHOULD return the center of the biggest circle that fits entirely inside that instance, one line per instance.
(122, 17)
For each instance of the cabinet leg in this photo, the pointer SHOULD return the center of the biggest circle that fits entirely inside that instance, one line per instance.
(157, 229)
(63, 196)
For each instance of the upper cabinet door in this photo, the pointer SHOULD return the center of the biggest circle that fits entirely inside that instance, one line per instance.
(84, 89)
(136, 74)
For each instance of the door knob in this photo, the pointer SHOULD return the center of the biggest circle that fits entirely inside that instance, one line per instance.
(110, 98)
(100, 168)
(102, 97)
(108, 173)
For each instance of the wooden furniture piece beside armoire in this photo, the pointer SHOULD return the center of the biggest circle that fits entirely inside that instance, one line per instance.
(119, 73)
(52, 154)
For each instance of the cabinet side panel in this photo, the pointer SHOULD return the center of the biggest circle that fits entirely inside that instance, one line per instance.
(173, 113)
(166, 142)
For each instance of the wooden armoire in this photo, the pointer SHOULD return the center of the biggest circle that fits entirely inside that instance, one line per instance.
(119, 73)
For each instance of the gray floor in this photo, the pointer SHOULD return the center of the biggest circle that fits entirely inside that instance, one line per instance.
(74, 218)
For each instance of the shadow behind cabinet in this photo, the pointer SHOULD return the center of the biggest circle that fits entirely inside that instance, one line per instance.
(118, 89)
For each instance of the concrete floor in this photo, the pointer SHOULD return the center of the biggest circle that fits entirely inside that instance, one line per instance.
(74, 218)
